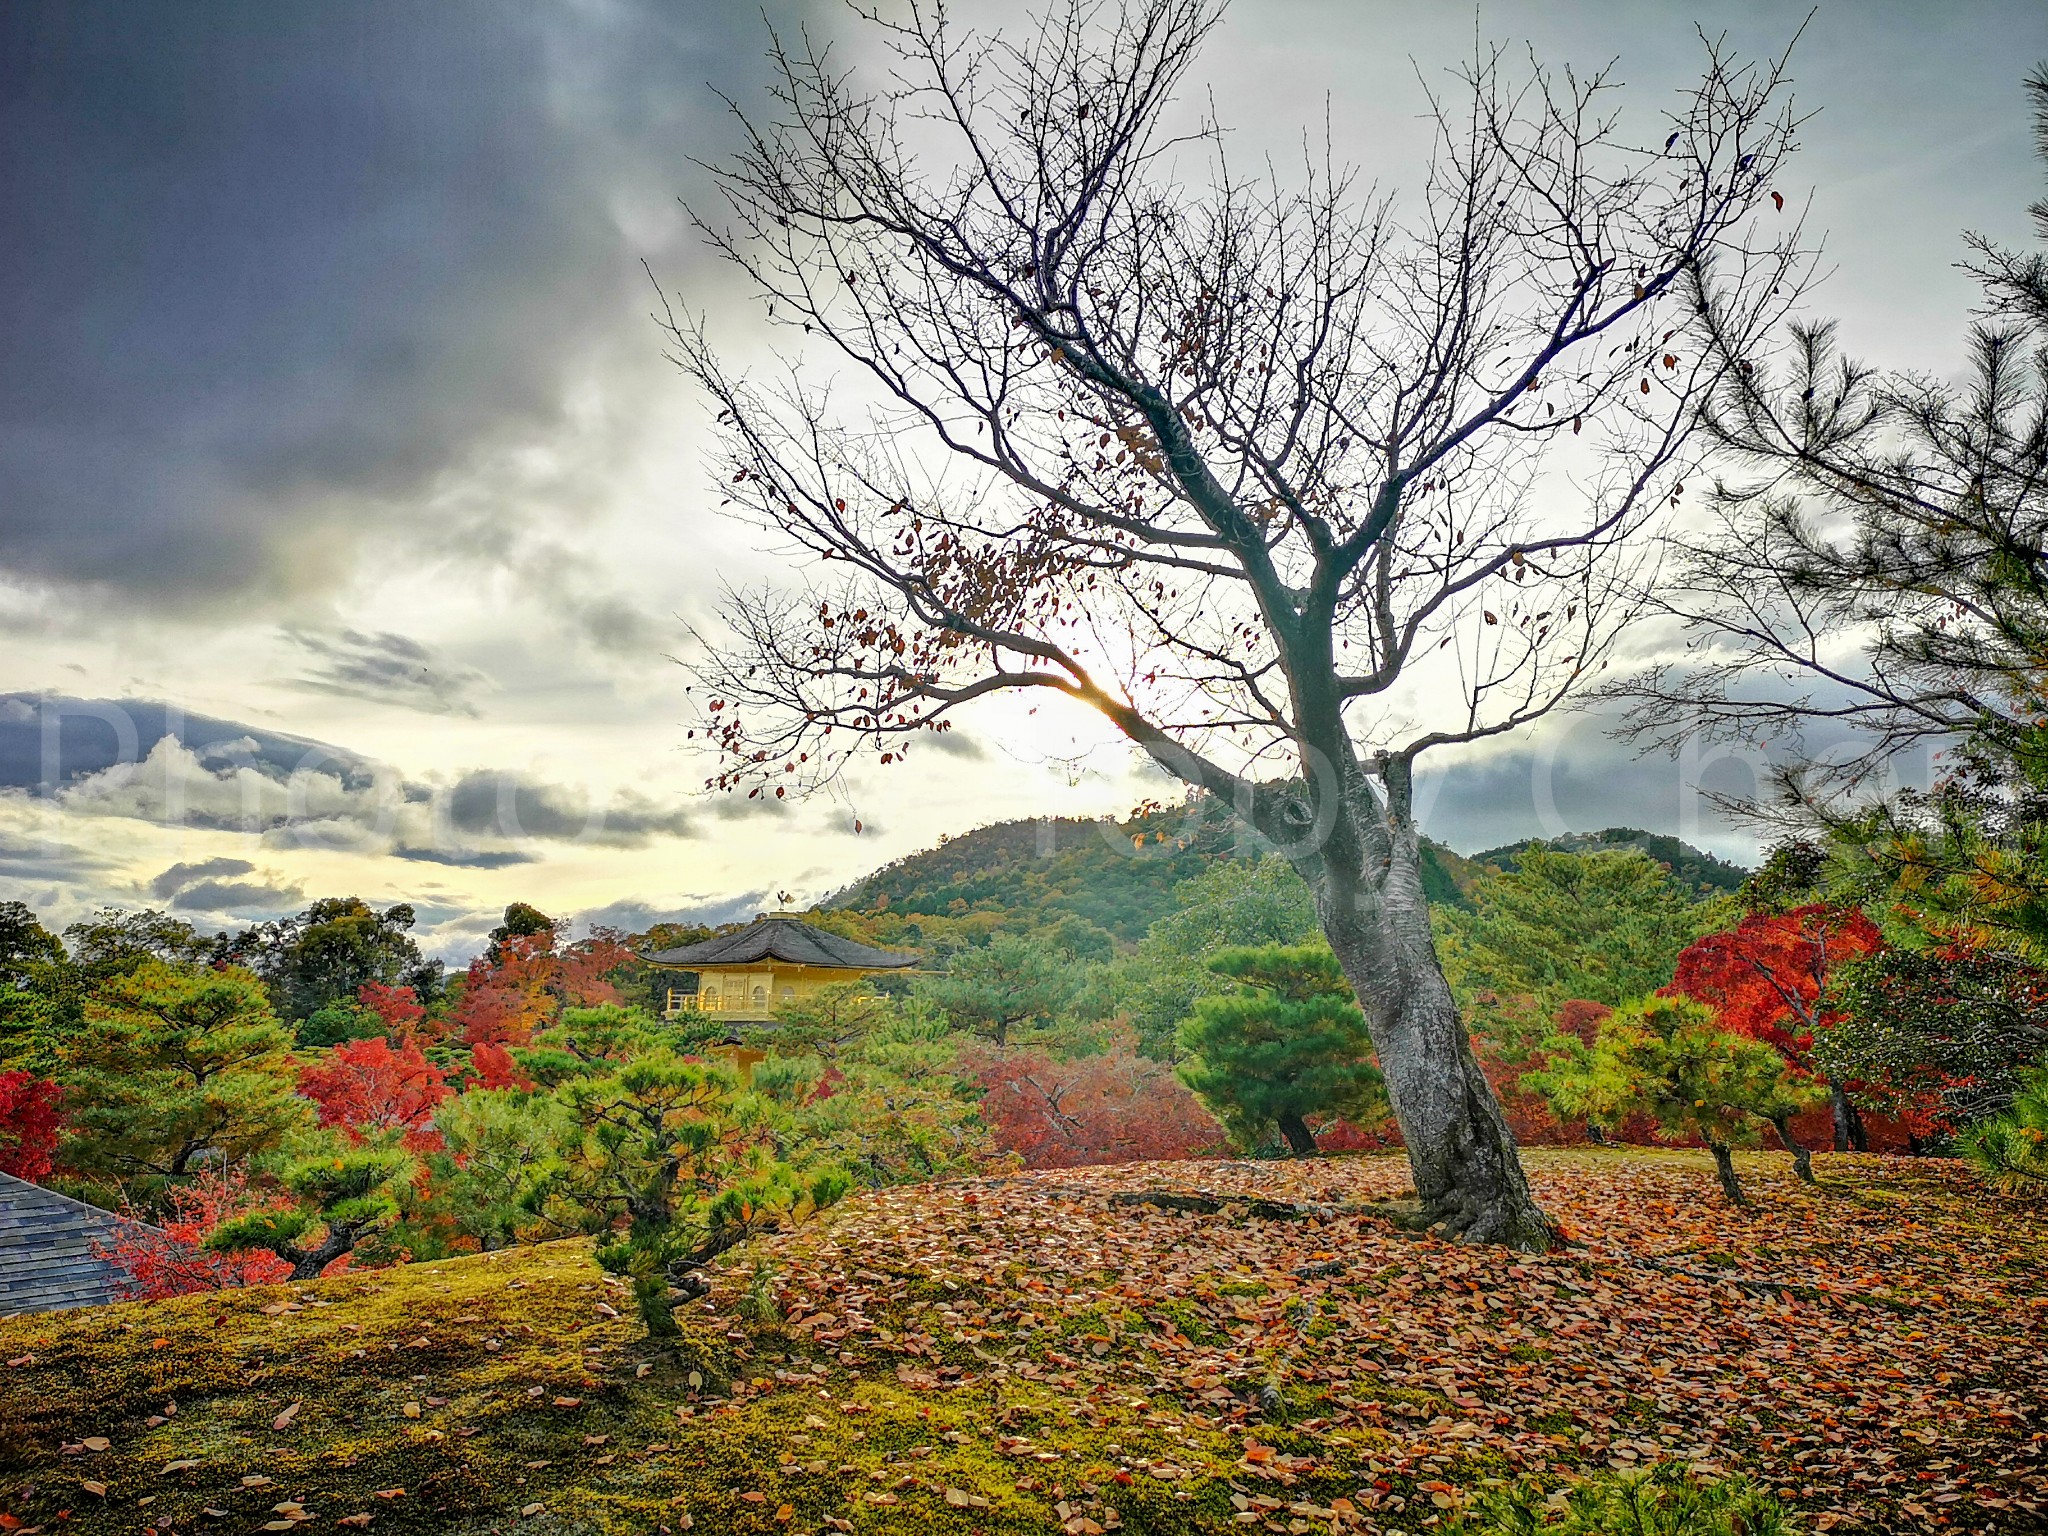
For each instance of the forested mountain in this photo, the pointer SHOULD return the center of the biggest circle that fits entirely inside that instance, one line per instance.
(1120, 875)
(1117, 875)
(1702, 871)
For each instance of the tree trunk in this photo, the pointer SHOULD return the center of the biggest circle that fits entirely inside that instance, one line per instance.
(1463, 1156)
(1724, 1168)
(1802, 1160)
(1301, 1140)
(1849, 1133)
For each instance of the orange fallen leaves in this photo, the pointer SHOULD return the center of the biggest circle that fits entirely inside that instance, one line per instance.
(1807, 1341)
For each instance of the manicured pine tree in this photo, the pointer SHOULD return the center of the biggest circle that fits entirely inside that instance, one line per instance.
(345, 1199)
(1291, 1045)
(1666, 1058)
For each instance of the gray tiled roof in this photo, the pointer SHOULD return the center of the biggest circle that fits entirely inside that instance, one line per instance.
(47, 1261)
(787, 939)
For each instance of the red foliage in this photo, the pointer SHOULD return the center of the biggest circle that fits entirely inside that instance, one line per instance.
(533, 978)
(398, 1007)
(1581, 1018)
(1347, 1136)
(168, 1259)
(1117, 1107)
(492, 1066)
(1768, 976)
(1527, 1112)
(29, 1122)
(365, 1085)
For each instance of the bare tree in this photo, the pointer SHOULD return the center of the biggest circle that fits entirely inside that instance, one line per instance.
(1262, 471)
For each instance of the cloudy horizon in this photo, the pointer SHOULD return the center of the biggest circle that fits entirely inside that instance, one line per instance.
(353, 520)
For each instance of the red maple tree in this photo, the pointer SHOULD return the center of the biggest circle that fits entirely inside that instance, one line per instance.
(1116, 1107)
(30, 1121)
(530, 980)
(170, 1258)
(366, 1085)
(1768, 978)
(492, 1066)
(398, 1007)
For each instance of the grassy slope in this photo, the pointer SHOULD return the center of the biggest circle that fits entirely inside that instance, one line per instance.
(1026, 1343)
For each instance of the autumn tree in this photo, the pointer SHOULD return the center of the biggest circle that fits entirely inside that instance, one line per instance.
(174, 1070)
(1772, 978)
(162, 1252)
(341, 1201)
(1288, 1045)
(1111, 1106)
(31, 1119)
(1667, 1058)
(523, 982)
(1288, 481)
(365, 1087)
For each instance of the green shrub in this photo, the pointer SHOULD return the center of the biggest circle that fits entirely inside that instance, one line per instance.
(1665, 1501)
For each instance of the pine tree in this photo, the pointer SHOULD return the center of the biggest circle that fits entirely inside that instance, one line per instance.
(173, 1070)
(1666, 1058)
(1291, 1046)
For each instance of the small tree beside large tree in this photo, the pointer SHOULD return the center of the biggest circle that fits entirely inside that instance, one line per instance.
(1290, 483)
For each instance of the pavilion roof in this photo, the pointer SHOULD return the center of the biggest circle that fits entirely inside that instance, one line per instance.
(50, 1246)
(788, 939)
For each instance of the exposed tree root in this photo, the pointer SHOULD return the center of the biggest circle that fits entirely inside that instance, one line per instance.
(1404, 1215)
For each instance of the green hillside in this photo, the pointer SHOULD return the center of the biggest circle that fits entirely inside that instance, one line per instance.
(1118, 875)
(1702, 871)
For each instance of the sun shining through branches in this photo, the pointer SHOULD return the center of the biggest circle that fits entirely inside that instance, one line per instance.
(1252, 466)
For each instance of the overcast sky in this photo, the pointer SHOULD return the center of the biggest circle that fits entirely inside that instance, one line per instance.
(337, 446)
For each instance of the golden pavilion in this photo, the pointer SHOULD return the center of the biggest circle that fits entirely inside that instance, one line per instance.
(742, 977)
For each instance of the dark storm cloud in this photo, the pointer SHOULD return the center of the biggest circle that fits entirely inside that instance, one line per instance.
(238, 897)
(465, 858)
(48, 740)
(953, 744)
(273, 269)
(732, 807)
(179, 876)
(152, 762)
(1580, 777)
(501, 803)
(209, 885)
(387, 669)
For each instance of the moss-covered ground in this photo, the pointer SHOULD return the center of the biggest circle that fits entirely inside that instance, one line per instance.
(1026, 1355)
